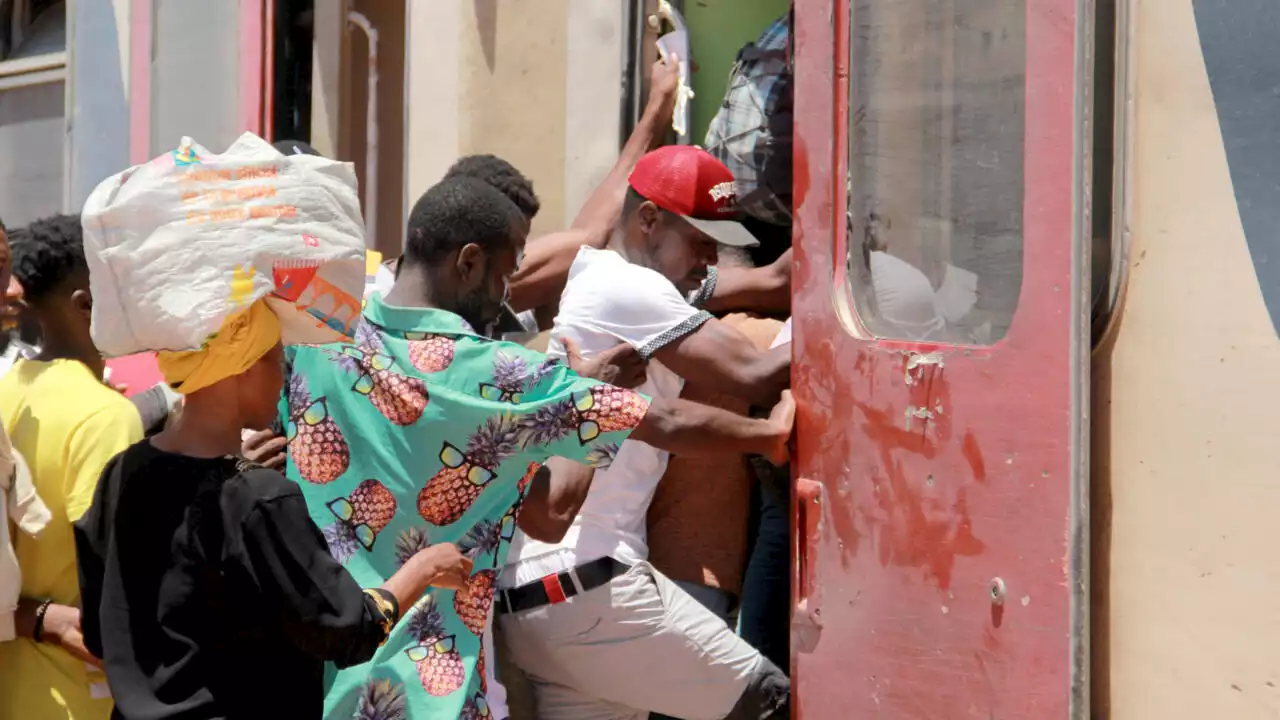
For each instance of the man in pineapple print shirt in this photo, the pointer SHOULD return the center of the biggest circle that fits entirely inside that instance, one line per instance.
(641, 644)
(423, 432)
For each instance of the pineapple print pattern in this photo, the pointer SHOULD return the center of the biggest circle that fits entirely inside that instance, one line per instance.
(430, 353)
(381, 700)
(484, 677)
(612, 408)
(439, 665)
(590, 414)
(361, 516)
(477, 708)
(316, 445)
(448, 494)
(512, 378)
(506, 530)
(400, 398)
(472, 603)
(409, 542)
(602, 457)
(527, 404)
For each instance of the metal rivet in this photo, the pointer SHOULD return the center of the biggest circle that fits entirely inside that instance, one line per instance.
(997, 591)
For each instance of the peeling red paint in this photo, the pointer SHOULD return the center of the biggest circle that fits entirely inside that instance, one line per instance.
(973, 455)
(915, 523)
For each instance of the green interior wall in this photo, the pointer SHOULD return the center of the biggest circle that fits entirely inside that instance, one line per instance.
(718, 29)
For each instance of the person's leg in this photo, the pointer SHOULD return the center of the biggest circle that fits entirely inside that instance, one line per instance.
(719, 602)
(520, 698)
(560, 702)
(722, 604)
(764, 618)
(641, 642)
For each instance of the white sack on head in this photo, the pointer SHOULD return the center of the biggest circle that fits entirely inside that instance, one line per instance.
(177, 245)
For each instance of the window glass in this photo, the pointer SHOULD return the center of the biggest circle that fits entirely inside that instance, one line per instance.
(937, 100)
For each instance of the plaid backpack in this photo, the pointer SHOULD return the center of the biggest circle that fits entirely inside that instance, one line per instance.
(751, 133)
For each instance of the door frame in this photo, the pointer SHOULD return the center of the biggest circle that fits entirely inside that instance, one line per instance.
(1054, 291)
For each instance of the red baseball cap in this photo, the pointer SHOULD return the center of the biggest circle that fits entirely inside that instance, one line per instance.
(690, 182)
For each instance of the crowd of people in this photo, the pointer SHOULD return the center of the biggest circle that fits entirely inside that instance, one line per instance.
(338, 530)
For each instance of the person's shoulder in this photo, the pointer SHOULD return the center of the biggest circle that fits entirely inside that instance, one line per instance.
(595, 263)
(99, 406)
(607, 275)
(255, 485)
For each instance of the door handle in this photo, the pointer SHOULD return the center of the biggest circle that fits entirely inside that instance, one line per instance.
(806, 615)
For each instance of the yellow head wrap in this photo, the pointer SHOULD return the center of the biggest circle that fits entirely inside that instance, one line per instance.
(241, 341)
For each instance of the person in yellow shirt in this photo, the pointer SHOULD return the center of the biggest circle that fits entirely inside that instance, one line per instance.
(67, 423)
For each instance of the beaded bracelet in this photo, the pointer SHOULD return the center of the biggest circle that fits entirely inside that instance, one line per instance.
(38, 630)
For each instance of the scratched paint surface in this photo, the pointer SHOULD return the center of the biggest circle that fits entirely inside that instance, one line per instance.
(938, 469)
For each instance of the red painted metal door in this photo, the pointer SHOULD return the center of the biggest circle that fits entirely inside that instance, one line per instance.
(939, 359)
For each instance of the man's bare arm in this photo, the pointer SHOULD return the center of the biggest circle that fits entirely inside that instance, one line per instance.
(686, 428)
(745, 289)
(722, 359)
(544, 271)
(555, 497)
(603, 208)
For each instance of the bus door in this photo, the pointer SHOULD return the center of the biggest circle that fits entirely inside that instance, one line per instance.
(940, 342)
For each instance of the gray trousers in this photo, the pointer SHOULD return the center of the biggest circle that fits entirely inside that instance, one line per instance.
(637, 645)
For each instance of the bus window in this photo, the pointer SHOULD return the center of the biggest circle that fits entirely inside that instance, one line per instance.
(937, 100)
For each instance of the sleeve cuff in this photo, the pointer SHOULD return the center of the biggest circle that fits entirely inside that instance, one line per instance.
(690, 324)
(698, 298)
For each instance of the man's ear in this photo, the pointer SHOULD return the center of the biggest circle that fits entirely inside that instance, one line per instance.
(649, 215)
(471, 266)
(82, 302)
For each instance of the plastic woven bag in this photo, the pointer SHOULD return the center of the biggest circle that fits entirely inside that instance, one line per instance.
(178, 244)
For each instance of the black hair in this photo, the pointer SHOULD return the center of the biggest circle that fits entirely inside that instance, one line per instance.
(47, 253)
(503, 176)
(3, 229)
(632, 202)
(454, 212)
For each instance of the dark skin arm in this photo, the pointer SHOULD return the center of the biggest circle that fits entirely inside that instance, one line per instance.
(677, 426)
(765, 289)
(441, 565)
(61, 627)
(686, 428)
(554, 499)
(541, 277)
(561, 486)
(721, 359)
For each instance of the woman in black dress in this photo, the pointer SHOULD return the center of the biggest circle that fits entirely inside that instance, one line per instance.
(207, 590)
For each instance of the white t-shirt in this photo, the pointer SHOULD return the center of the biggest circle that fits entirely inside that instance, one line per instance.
(905, 298)
(380, 282)
(784, 335)
(607, 301)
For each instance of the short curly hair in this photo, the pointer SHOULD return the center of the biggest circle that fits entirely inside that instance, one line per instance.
(454, 212)
(503, 176)
(46, 254)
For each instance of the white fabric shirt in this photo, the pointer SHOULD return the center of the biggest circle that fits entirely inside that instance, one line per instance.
(784, 336)
(20, 504)
(606, 301)
(905, 298)
(380, 282)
